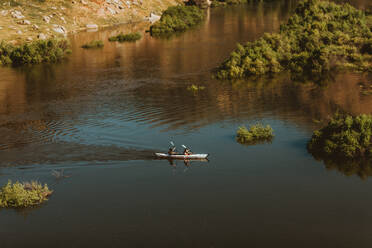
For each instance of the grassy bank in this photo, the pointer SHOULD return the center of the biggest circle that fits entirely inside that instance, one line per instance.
(21, 195)
(177, 19)
(33, 53)
(319, 37)
(24, 20)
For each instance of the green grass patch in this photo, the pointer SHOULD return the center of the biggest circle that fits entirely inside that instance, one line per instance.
(21, 195)
(131, 37)
(40, 51)
(344, 137)
(195, 88)
(93, 44)
(177, 19)
(319, 37)
(256, 133)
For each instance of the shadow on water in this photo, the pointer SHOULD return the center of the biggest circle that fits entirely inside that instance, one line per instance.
(67, 152)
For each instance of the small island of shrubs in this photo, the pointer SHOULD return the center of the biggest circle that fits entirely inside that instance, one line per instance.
(177, 19)
(345, 137)
(21, 195)
(40, 51)
(195, 88)
(318, 37)
(93, 44)
(131, 37)
(219, 3)
(256, 133)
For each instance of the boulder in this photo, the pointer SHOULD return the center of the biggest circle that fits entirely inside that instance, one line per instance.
(24, 22)
(4, 12)
(153, 18)
(59, 29)
(46, 19)
(35, 27)
(112, 12)
(17, 14)
(41, 36)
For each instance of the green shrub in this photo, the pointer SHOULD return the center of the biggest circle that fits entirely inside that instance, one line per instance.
(20, 195)
(256, 133)
(195, 87)
(93, 44)
(344, 137)
(36, 52)
(318, 37)
(218, 3)
(177, 19)
(126, 37)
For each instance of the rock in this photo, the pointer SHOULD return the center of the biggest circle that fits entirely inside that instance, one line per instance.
(63, 19)
(24, 22)
(83, 2)
(19, 32)
(92, 26)
(4, 12)
(112, 12)
(41, 36)
(17, 14)
(53, 7)
(153, 18)
(46, 19)
(59, 29)
(29, 39)
(35, 27)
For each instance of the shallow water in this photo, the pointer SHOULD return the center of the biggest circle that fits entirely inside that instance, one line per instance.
(99, 116)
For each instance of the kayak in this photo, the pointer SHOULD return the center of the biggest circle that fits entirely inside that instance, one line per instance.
(181, 156)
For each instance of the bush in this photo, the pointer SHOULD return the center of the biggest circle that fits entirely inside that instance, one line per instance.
(257, 132)
(218, 3)
(126, 37)
(20, 195)
(177, 19)
(93, 44)
(195, 88)
(319, 36)
(36, 52)
(344, 137)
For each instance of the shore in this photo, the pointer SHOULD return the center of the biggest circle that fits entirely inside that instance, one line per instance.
(22, 20)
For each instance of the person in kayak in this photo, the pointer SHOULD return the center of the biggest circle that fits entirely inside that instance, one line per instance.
(172, 149)
(187, 151)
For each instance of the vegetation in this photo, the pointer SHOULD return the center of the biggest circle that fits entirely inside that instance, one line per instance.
(177, 19)
(218, 3)
(36, 52)
(256, 133)
(93, 44)
(20, 195)
(195, 88)
(319, 36)
(126, 37)
(344, 137)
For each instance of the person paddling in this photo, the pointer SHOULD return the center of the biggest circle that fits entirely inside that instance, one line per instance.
(172, 149)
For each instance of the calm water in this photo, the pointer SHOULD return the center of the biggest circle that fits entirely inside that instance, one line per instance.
(99, 116)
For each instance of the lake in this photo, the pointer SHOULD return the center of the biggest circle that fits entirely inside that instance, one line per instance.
(97, 118)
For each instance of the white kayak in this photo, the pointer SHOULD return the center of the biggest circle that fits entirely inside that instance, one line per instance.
(181, 156)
